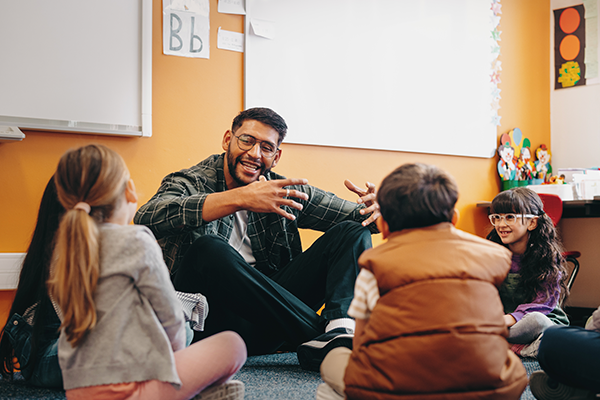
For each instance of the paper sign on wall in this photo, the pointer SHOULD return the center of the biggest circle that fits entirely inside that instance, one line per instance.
(591, 41)
(228, 40)
(263, 28)
(186, 28)
(569, 47)
(232, 7)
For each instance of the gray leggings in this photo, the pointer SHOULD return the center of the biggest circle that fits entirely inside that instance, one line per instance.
(529, 328)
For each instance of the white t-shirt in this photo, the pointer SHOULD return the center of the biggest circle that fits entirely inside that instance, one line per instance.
(239, 239)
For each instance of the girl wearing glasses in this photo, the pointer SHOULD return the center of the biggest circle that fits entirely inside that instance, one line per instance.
(535, 285)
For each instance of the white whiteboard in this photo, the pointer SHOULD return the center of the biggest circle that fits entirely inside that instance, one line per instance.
(77, 66)
(380, 74)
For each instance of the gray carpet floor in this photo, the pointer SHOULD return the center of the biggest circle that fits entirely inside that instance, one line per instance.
(275, 376)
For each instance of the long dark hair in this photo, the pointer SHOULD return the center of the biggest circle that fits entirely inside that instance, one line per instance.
(542, 261)
(32, 280)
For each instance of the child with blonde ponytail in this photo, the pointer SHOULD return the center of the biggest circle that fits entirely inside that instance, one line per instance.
(122, 332)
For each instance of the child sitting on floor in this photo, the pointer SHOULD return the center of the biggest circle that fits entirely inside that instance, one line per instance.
(429, 321)
(533, 289)
(122, 326)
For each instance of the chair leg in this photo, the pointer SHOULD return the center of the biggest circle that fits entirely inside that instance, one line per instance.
(575, 262)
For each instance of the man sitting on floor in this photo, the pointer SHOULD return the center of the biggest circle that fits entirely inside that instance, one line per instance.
(228, 227)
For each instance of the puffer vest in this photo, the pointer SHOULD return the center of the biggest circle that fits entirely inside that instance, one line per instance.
(437, 331)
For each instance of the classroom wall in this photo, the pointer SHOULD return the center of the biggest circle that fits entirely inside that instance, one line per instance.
(575, 122)
(194, 101)
(575, 118)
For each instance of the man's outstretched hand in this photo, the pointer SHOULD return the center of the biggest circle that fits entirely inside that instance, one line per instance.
(367, 197)
(266, 196)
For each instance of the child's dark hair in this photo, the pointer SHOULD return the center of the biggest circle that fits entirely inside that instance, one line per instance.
(264, 115)
(417, 195)
(31, 289)
(542, 261)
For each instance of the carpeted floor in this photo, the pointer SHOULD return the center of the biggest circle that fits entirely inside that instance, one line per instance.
(276, 376)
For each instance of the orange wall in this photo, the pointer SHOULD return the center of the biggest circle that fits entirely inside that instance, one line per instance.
(194, 101)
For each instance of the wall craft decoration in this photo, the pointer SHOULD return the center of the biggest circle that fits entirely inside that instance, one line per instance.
(569, 47)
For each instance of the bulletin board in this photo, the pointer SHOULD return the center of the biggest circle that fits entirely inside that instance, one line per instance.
(77, 66)
(382, 74)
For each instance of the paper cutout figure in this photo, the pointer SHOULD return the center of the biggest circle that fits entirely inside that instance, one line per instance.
(570, 74)
(506, 139)
(506, 166)
(570, 49)
(542, 165)
(516, 166)
(516, 136)
(516, 139)
(525, 164)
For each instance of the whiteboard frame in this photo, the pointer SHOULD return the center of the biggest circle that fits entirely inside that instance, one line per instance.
(70, 126)
(483, 140)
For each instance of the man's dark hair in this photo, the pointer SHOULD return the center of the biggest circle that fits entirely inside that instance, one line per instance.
(417, 195)
(264, 115)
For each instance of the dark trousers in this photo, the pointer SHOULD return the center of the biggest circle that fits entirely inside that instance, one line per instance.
(571, 355)
(270, 310)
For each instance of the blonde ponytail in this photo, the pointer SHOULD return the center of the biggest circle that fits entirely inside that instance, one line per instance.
(75, 273)
(89, 181)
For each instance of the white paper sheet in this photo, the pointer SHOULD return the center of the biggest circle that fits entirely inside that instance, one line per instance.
(228, 40)
(186, 28)
(263, 28)
(232, 7)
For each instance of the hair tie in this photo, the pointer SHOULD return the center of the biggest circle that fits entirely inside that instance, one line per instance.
(83, 206)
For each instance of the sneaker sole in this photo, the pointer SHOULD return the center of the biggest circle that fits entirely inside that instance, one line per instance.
(311, 354)
(538, 384)
(232, 390)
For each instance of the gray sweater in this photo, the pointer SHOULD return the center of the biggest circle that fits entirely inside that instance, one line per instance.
(140, 321)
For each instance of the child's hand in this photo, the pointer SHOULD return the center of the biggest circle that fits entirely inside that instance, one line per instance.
(510, 320)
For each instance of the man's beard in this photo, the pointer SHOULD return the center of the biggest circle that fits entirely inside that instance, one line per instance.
(232, 164)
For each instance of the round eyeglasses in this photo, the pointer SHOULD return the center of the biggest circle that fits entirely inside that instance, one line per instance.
(247, 142)
(510, 219)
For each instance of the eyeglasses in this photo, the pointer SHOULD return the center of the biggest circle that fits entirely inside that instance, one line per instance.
(510, 219)
(247, 142)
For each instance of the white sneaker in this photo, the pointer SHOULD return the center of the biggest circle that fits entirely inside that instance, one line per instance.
(326, 392)
(230, 390)
(311, 354)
